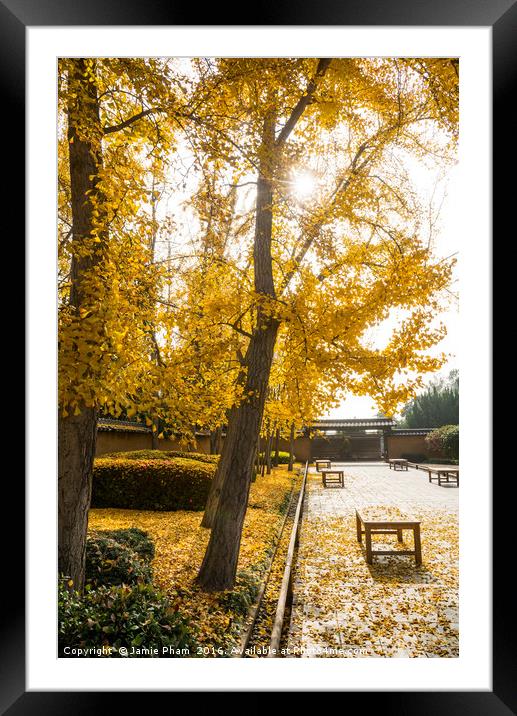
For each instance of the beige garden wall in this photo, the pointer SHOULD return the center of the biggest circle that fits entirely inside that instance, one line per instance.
(119, 441)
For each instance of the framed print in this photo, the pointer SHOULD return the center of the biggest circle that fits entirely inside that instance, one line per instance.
(245, 216)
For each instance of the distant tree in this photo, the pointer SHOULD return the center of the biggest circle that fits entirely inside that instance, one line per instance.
(437, 406)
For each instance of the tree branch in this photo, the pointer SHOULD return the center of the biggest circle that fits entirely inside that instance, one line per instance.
(302, 103)
(235, 328)
(131, 120)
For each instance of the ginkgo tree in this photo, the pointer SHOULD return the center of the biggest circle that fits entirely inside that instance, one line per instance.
(119, 349)
(108, 286)
(333, 267)
(305, 232)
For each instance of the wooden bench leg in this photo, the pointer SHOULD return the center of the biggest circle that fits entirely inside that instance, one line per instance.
(368, 541)
(399, 535)
(358, 527)
(418, 545)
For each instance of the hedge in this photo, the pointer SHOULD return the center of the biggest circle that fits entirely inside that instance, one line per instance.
(161, 455)
(171, 484)
(114, 621)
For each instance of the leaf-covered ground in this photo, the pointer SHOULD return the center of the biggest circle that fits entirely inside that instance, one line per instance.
(180, 544)
(347, 608)
(260, 637)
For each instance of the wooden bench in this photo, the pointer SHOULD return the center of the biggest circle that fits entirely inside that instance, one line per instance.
(333, 477)
(322, 464)
(444, 476)
(398, 464)
(387, 526)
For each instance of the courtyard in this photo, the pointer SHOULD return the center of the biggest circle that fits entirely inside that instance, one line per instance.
(343, 606)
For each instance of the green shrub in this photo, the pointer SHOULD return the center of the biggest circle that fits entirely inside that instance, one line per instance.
(445, 440)
(110, 618)
(172, 484)
(110, 562)
(283, 457)
(240, 599)
(161, 455)
(135, 538)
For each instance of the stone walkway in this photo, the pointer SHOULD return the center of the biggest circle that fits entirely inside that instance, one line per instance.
(344, 607)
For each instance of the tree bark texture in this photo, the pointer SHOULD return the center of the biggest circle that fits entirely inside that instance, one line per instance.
(76, 452)
(221, 471)
(219, 565)
(77, 433)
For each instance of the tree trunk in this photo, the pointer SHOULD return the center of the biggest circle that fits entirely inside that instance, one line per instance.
(269, 448)
(221, 471)
(254, 468)
(291, 449)
(258, 457)
(76, 452)
(215, 441)
(277, 448)
(154, 437)
(77, 433)
(220, 561)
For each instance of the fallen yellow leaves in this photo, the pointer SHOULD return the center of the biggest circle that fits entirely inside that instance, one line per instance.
(390, 608)
(180, 544)
(260, 637)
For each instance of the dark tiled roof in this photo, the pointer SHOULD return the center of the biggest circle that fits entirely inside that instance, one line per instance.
(352, 423)
(128, 426)
(121, 426)
(411, 431)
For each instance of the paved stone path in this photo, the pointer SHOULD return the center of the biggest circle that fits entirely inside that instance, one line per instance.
(344, 607)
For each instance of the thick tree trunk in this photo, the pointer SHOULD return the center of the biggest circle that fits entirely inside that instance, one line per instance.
(291, 449)
(236, 465)
(77, 433)
(220, 562)
(221, 471)
(76, 452)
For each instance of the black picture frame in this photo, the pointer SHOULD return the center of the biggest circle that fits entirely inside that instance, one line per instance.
(501, 16)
